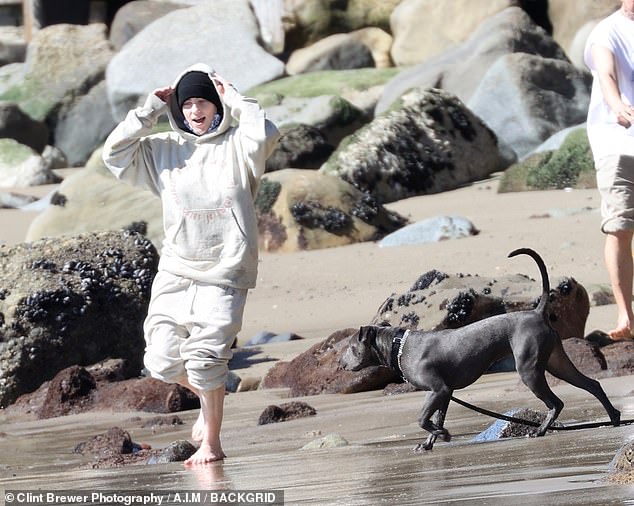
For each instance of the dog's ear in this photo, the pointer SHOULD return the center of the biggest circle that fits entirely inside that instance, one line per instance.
(367, 334)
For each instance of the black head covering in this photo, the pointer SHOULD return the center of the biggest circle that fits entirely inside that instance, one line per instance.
(197, 84)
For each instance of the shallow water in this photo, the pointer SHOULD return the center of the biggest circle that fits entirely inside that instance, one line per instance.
(377, 467)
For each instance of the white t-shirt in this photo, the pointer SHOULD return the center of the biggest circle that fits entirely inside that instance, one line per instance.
(606, 136)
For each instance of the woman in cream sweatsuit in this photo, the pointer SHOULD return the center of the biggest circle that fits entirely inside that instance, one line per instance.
(206, 172)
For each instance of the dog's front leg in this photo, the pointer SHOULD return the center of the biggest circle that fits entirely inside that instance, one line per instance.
(436, 402)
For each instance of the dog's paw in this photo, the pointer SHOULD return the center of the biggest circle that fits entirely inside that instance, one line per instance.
(615, 418)
(423, 447)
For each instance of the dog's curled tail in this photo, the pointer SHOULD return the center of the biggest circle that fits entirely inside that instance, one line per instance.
(542, 270)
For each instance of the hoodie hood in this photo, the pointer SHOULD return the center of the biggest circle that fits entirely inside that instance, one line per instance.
(175, 115)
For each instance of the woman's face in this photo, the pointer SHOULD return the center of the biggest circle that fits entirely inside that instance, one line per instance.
(199, 113)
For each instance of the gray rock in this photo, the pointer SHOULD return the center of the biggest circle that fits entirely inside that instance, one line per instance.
(71, 301)
(300, 147)
(62, 62)
(525, 99)
(21, 166)
(328, 441)
(151, 60)
(177, 451)
(265, 337)
(555, 141)
(71, 135)
(439, 228)
(502, 429)
(460, 68)
(133, 17)
(12, 200)
(428, 143)
(232, 383)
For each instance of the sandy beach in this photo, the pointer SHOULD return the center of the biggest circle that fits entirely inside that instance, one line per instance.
(314, 293)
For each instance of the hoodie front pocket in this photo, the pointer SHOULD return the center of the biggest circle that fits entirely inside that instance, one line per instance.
(208, 234)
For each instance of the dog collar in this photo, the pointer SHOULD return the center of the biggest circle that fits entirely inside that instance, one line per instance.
(398, 343)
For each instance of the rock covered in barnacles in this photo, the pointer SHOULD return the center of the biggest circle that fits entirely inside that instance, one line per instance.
(71, 301)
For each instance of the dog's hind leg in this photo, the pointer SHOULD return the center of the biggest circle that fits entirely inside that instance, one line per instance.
(536, 381)
(436, 403)
(560, 366)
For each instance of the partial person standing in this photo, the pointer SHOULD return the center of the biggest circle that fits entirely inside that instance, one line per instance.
(609, 53)
(206, 172)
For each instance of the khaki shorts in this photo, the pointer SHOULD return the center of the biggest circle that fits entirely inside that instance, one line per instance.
(615, 181)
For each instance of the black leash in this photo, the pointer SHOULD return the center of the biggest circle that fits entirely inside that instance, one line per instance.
(530, 423)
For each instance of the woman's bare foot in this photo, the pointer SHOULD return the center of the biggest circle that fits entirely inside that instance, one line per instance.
(204, 455)
(621, 333)
(208, 427)
(198, 429)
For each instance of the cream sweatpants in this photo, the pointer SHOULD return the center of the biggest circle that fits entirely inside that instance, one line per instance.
(189, 330)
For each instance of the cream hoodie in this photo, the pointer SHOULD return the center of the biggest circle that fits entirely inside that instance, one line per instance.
(206, 184)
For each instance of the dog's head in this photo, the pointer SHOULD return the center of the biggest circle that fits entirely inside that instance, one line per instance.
(359, 353)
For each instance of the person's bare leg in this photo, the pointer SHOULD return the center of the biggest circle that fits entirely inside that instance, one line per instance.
(211, 407)
(620, 266)
(199, 424)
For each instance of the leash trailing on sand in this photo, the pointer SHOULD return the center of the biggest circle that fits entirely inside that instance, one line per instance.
(530, 423)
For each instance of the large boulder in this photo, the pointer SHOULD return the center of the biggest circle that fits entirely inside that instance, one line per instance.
(133, 17)
(429, 142)
(460, 69)
(71, 135)
(62, 63)
(305, 209)
(425, 28)
(438, 301)
(71, 301)
(151, 59)
(525, 99)
(92, 199)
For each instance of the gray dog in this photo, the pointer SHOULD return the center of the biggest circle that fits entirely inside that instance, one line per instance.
(446, 360)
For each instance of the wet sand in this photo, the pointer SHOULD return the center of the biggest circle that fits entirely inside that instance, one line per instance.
(316, 292)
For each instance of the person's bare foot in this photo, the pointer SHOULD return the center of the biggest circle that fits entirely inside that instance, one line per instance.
(198, 429)
(621, 333)
(205, 455)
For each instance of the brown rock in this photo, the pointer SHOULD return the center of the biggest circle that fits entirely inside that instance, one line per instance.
(619, 357)
(317, 371)
(68, 392)
(286, 411)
